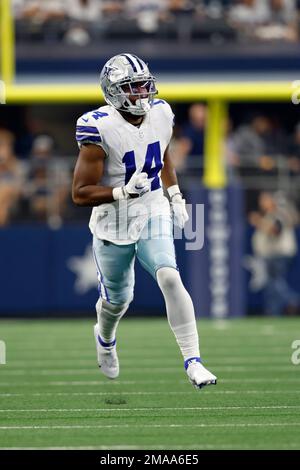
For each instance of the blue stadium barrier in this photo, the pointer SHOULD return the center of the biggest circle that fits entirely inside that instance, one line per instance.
(46, 272)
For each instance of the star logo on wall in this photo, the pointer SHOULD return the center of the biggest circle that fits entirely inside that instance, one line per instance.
(84, 269)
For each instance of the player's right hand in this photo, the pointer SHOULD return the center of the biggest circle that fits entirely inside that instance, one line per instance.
(138, 185)
(179, 210)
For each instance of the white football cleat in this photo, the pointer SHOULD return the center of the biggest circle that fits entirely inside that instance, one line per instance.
(197, 374)
(106, 356)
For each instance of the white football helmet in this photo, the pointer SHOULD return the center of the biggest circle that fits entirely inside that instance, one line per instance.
(125, 75)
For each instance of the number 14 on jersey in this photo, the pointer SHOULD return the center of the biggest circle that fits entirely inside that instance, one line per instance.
(153, 153)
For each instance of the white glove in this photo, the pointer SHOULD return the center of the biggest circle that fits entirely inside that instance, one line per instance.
(138, 185)
(178, 208)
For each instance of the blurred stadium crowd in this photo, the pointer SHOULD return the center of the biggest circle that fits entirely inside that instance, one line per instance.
(80, 22)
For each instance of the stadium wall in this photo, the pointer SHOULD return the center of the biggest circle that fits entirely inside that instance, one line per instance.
(51, 272)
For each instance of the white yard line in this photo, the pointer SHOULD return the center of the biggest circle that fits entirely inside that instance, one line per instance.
(218, 392)
(171, 425)
(196, 446)
(195, 408)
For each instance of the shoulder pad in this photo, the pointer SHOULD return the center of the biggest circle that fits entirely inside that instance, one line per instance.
(87, 130)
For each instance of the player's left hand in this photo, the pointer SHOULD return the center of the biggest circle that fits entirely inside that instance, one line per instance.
(179, 210)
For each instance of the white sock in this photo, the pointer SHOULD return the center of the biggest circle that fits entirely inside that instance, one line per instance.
(109, 316)
(180, 311)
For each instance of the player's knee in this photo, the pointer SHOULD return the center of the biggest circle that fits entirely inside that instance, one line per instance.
(120, 297)
(168, 279)
(119, 292)
(115, 309)
(112, 308)
(116, 302)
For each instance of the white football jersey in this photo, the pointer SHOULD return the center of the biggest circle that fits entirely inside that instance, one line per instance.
(128, 148)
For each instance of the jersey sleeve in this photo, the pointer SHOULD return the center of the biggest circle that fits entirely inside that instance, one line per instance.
(166, 111)
(170, 114)
(87, 132)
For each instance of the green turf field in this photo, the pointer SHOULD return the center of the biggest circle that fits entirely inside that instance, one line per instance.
(52, 395)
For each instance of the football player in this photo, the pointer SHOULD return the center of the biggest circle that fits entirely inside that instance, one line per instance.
(123, 165)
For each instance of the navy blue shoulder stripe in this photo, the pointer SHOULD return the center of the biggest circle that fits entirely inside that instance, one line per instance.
(88, 138)
(89, 129)
(158, 101)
